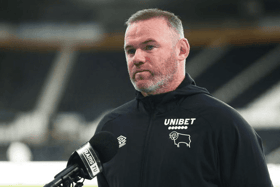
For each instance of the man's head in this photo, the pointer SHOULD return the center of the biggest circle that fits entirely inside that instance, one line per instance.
(171, 19)
(155, 50)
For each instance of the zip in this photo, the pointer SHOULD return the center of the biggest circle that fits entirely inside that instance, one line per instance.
(144, 154)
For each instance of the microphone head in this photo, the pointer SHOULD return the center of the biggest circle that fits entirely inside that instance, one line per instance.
(105, 144)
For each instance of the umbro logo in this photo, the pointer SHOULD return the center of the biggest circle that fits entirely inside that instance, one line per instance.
(122, 140)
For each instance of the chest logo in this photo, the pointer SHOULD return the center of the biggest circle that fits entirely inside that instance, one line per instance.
(179, 123)
(122, 140)
(180, 138)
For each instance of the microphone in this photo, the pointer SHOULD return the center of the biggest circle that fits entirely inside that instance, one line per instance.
(86, 162)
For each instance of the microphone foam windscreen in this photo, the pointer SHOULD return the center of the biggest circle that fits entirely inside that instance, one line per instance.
(105, 144)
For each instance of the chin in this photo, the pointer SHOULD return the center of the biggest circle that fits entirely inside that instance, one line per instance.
(147, 88)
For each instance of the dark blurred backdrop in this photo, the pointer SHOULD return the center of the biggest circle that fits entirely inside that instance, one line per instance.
(62, 67)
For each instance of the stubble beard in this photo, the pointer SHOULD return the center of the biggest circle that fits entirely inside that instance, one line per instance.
(150, 86)
(158, 81)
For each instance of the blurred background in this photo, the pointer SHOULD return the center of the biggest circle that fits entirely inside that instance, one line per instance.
(62, 67)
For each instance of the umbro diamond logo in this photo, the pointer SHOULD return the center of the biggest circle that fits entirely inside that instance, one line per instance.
(122, 140)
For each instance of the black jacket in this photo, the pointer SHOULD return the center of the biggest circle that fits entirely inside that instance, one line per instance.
(184, 138)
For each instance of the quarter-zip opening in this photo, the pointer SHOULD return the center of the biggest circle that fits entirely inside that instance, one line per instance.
(145, 148)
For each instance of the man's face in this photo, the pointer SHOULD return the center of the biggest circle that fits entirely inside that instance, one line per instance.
(150, 54)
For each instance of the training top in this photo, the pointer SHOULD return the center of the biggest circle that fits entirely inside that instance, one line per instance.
(183, 138)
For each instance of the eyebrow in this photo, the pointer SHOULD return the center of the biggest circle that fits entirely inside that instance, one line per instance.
(145, 42)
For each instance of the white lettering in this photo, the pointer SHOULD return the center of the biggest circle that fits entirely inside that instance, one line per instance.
(186, 121)
(166, 121)
(172, 121)
(193, 119)
(181, 121)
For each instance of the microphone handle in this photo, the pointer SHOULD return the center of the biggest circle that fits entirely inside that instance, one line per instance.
(63, 176)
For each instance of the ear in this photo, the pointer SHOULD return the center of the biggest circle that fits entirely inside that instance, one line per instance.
(183, 49)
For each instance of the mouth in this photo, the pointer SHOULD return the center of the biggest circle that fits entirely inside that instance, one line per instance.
(140, 71)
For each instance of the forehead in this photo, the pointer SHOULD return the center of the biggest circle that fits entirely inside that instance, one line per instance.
(155, 28)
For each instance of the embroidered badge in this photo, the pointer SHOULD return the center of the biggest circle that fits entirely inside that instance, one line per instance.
(180, 138)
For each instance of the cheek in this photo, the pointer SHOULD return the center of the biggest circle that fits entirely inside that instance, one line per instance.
(166, 63)
(129, 65)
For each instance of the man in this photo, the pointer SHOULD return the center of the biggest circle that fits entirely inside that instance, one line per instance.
(175, 133)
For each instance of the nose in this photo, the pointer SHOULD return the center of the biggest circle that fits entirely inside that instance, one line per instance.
(139, 57)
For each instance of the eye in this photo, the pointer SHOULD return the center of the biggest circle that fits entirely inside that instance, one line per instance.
(130, 51)
(149, 47)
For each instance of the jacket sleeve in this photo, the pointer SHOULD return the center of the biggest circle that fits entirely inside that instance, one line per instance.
(240, 154)
(101, 179)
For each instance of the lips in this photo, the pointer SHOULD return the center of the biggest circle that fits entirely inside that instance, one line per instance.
(139, 71)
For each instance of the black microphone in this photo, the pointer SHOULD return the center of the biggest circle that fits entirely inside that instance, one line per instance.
(86, 162)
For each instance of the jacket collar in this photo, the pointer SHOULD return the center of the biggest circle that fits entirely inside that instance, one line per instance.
(187, 81)
(186, 88)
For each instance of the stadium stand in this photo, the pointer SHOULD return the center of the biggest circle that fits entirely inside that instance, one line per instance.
(99, 82)
(62, 68)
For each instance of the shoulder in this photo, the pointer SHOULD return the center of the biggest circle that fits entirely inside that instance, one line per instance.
(227, 125)
(124, 109)
(217, 113)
